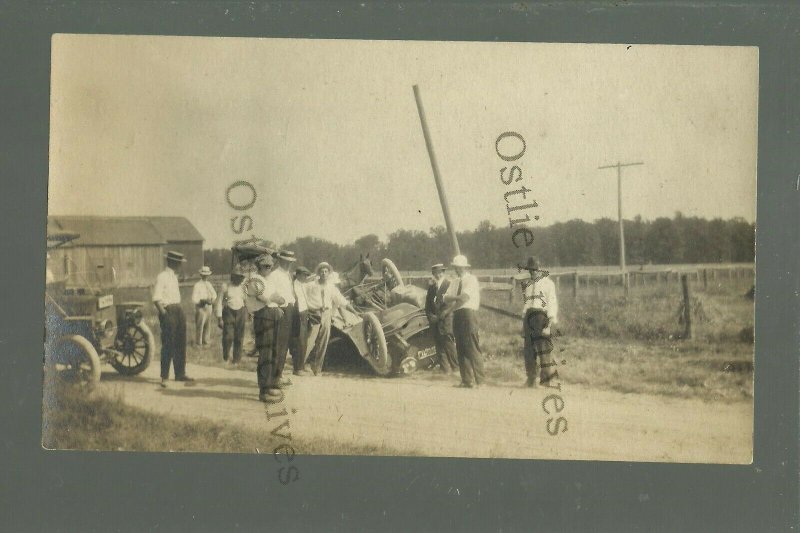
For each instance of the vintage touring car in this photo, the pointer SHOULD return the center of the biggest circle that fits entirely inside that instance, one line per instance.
(84, 327)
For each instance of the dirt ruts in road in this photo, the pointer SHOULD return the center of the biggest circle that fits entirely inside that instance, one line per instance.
(432, 418)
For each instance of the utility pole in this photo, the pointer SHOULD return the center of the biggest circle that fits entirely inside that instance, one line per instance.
(622, 267)
(437, 178)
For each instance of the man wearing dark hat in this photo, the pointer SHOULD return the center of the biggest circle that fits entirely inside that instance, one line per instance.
(441, 324)
(298, 341)
(167, 299)
(540, 312)
(232, 315)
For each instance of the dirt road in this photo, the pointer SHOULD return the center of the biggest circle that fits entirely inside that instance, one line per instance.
(432, 418)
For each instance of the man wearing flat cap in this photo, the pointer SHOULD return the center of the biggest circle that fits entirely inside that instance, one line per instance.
(167, 299)
(232, 315)
(441, 324)
(540, 312)
(203, 297)
(464, 300)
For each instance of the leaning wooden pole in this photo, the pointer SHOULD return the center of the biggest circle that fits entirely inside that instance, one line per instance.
(436, 176)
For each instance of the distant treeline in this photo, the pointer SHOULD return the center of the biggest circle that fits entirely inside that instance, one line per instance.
(574, 243)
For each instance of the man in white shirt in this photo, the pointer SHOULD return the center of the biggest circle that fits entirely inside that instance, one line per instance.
(266, 323)
(232, 315)
(464, 300)
(298, 341)
(167, 299)
(203, 297)
(540, 312)
(323, 297)
(282, 280)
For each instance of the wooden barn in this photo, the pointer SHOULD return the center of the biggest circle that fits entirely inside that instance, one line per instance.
(133, 247)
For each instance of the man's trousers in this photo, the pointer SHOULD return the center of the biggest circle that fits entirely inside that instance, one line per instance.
(298, 343)
(266, 324)
(470, 358)
(233, 322)
(173, 340)
(202, 324)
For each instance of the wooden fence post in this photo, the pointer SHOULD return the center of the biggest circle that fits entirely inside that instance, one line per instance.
(705, 278)
(513, 288)
(575, 284)
(687, 310)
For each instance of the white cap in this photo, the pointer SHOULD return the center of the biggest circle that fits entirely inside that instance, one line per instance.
(460, 261)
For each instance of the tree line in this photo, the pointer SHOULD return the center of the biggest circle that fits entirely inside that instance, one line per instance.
(675, 240)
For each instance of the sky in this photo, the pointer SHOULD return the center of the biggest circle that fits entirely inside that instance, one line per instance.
(328, 132)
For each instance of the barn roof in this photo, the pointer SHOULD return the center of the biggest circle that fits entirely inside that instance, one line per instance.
(111, 231)
(175, 229)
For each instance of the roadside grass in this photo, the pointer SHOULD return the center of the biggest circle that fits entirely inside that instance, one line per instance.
(634, 345)
(74, 420)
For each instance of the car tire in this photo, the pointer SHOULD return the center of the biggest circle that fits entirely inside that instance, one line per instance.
(78, 361)
(390, 267)
(137, 349)
(377, 351)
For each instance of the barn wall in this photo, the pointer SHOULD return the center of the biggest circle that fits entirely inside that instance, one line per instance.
(135, 266)
(193, 250)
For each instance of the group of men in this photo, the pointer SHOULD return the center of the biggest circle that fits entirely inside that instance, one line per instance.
(293, 311)
(291, 308)
(452, 306)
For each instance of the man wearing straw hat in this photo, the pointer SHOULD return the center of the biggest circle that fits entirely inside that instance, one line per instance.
(281, 279)
(203, 296)
(167, 299)
(540, 312)
(323, 298)
(464, 300)
(441, 324)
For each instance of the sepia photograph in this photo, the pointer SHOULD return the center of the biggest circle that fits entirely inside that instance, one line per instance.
(300, 247)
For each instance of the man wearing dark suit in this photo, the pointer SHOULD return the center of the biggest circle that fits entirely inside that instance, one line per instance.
(441, 325)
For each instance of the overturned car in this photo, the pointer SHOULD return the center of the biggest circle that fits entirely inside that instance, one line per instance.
(390, 332)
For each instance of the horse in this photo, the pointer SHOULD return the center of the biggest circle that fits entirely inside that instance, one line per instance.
(356, 274)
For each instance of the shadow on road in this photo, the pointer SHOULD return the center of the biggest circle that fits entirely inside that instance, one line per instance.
(229, 382)
(200, 393)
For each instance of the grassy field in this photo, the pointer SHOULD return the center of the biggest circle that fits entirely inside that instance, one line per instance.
(73, 420)
(609, 341)
(633, 344)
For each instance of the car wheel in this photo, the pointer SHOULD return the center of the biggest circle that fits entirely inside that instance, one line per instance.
(377, 352)
(74, 361)
(390, 269)
(133, 350)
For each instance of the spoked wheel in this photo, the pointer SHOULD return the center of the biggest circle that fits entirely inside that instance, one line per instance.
(390, 271)
(74, 361)
(133, 350)
(378, 353)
